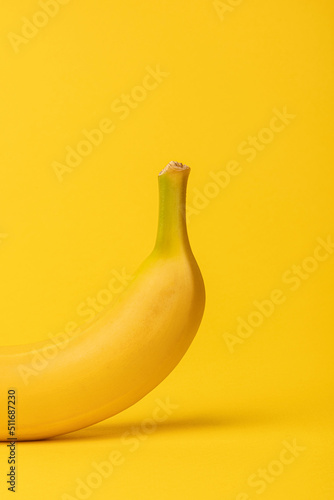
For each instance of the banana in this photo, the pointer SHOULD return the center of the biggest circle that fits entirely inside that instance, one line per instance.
(127, 351)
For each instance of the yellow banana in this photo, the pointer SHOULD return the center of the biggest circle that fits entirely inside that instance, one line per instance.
(128, 351)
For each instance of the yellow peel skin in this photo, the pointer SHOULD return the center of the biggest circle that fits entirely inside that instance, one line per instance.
(128, 351)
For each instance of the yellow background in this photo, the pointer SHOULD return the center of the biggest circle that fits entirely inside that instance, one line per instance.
(226, 74)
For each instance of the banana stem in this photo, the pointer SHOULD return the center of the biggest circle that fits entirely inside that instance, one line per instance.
(172, 236)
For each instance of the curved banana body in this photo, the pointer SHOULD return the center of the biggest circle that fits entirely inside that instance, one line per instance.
(128, 351)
